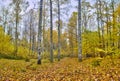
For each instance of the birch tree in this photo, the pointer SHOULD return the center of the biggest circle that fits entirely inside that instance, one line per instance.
(40, 32)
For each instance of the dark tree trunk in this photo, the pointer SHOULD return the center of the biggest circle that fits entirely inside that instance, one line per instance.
(107, 26)
(44, 24)
(59, 31)
(51, 33)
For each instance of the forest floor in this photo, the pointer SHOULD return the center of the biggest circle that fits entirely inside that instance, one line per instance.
(68, 69)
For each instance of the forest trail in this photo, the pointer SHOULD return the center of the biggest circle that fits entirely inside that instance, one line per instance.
(68, 69)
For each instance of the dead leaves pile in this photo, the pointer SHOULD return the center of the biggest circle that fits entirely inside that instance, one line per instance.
(68, 69)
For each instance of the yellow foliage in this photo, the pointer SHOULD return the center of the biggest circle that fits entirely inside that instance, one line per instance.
(118, 10)
(5, 45)
(7, 48)
(23, 52)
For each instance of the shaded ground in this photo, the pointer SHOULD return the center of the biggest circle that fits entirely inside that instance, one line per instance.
(68, 69)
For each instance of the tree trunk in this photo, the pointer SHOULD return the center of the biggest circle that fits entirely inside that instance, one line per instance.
(44, 24)
(40, 33)
(59, 44)
(79, 32)
(102, 25)
(30, 42)
(98, 22)
(113, 17)
(51, 33)
(16, 32)
(107, 24)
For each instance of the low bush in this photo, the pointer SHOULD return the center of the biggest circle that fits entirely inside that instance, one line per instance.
(96, 62)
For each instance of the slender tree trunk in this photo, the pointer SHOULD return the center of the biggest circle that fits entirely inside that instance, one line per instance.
(16, 33)
(79, 32)
(5, 23)
(5, 19)
(59, 44)
(113, 17)
(33, 35)
(30, 33)
(44, 24)
(33, 43)
(101, 24)
(98, 22)
(40, 33)
(107, 24)
(51, 33)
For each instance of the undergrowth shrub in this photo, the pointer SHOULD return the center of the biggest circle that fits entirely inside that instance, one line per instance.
(27, 59)
(96, 62)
